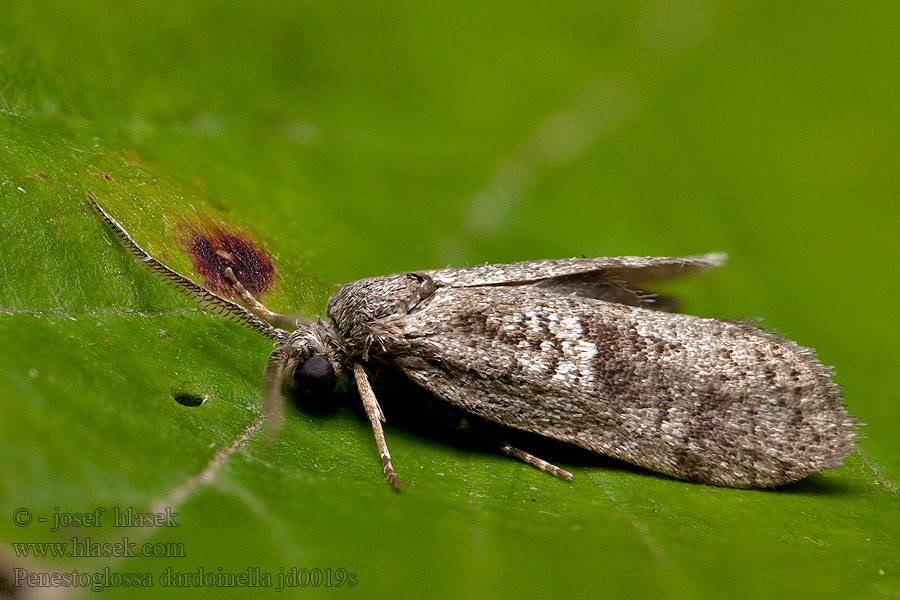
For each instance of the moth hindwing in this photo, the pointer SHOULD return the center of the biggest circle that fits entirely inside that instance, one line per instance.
(571, 349)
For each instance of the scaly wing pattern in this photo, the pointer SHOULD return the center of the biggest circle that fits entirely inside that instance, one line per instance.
(701, 399)
(632, 270)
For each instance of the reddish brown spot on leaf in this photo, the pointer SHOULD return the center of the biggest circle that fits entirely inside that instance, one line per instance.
(43, 175)
(212, 249)
(103, 175)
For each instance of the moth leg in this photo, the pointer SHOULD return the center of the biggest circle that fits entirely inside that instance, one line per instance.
(258, 308)
(534, 461)
(481, 431)
(373, 411)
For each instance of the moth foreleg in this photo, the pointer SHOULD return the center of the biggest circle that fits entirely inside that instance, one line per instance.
(258, 308)
(376, 417)
(540, 463)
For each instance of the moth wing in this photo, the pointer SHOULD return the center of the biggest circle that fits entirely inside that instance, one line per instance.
(631, 270)
(701, 399)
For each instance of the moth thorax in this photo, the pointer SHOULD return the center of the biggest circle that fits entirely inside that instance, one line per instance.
(363, 301)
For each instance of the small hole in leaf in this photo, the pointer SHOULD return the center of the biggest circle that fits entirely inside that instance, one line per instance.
(188, 399)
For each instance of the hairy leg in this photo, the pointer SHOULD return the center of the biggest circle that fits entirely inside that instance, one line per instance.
(376, 417)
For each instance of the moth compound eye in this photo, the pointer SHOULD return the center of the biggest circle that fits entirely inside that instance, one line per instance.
(316, 376)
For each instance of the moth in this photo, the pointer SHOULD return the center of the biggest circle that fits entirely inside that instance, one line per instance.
(571, 349)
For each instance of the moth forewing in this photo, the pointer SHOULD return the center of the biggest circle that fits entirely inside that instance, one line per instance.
(709, 400)
(628, 269)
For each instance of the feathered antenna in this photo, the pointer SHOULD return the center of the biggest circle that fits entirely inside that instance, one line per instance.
(187, 286)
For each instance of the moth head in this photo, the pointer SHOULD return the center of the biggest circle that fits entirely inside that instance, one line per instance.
(309, 359)
(315, 376)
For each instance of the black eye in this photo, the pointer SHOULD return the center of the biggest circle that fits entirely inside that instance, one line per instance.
(315, 377)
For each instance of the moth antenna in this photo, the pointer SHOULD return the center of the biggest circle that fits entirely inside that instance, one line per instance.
(376, 417)
(190, 288)
(258, 308)
(280, 362)
(540, 463)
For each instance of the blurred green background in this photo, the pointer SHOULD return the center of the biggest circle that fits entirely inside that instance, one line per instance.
(356, 140)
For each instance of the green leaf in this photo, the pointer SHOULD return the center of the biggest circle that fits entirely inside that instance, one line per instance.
(350, 141)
